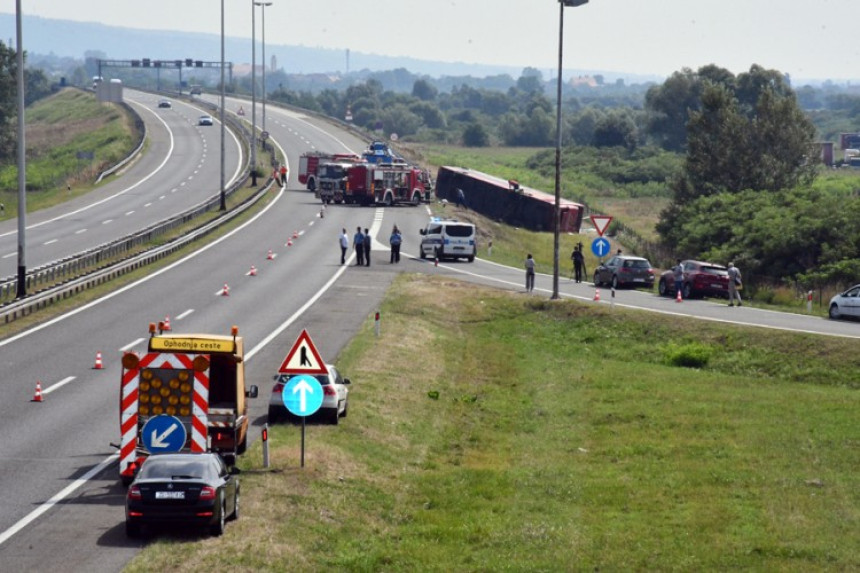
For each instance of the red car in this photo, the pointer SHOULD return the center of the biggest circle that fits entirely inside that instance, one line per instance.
(700, 279)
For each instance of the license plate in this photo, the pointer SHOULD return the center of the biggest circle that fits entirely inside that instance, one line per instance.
(458, 248)
(638, 280)
(170, 495)
(717, 286)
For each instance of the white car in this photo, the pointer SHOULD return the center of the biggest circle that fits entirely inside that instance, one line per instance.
(846, 304)
(335, 397)
(205, 120)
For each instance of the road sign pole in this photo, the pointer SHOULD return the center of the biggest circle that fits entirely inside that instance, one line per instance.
(303, 442)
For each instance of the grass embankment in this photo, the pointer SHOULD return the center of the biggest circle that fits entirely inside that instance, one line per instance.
(490, 431)
(62, 131)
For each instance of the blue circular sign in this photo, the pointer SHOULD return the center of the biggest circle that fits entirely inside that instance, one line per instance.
(600, 247)
(303, 395)
(163, 434)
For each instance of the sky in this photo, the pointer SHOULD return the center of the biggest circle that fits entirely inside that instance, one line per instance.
(815, 39)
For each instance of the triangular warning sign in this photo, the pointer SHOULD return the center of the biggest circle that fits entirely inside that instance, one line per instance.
(303, 358)
(601, 222)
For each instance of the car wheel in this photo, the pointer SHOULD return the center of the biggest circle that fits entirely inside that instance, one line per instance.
(687, 291)
(614, 281)
(132, 530)
(243, 445)
(345, 409)
(596, 279)
(471, 258)
(217, 528)
(661, 288)
(274, 416)
(834, 312)
(333, 417)
(235, 515)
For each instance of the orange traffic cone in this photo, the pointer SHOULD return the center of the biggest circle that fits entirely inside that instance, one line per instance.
(253, 271)
(597, 295)
(678, 296)
(295, 234)
(290, 243)
(37, 397)
(98, 364)
(436, 262)
(225, 291)
(270, 256)
(166, 324)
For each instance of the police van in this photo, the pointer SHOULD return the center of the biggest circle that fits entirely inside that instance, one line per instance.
(448, 238)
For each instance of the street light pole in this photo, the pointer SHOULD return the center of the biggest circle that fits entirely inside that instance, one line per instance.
(253, 88)
(264, 4)
(557, 211)
(22, 157)
(223, 205)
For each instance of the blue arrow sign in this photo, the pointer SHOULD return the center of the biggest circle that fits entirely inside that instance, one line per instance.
(600, 247)
(163, 434)
(303, 395)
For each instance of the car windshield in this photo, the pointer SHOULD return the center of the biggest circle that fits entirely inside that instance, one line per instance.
(162, 468)
(714, 270)
(332, 172)
(638, 264)
(323, 379)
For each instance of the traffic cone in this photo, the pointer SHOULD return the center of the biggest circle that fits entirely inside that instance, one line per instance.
(253, 271)
(98, 364)
(166, 324)
(436, 262)
(270, 256)
(290, 243)
(295, 234)
(225, 291)
(37, 397)
(322, 213)
(596, 295)
(678, 296)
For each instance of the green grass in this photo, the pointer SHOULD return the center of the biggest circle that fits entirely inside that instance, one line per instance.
(58, 129)
(491, 431)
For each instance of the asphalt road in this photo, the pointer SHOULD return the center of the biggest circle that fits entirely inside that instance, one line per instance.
(63, 506)
(180, 168)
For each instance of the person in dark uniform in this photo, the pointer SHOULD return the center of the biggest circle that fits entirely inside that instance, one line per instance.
(358, 245)
(367, 247)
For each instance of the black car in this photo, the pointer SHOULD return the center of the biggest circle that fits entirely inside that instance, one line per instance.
(195, 489)
(622, 270)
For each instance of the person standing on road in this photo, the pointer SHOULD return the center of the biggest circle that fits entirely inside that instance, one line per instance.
(283, 175)
(678, 275)
(530, 273)
(344, 245)
(461, 199)
(735, 283)
(367, 247)
(578, 263)
(395, 240)
(358, 245)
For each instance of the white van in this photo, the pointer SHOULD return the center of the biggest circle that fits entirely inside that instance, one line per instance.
(443, 238)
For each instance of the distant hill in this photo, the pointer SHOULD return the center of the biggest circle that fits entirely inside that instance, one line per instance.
(66, 38)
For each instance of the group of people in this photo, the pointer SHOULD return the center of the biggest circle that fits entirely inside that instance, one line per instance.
(361, 242)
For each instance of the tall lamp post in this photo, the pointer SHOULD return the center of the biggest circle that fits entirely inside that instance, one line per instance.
(264, 4)
(562, 4)
(254, 91)
(223, 205)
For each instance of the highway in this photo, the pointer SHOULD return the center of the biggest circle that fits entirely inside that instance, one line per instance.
(179, 168)
(62, 506)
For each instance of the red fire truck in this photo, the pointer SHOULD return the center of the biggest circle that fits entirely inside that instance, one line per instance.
(385, 184)
(309, 165)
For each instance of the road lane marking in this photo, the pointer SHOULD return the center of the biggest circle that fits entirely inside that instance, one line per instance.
(59, 384)
(79, 231)
(131, 345)
(51, 242)
(184, 314)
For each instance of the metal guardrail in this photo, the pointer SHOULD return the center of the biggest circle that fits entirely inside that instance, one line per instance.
(76, 274)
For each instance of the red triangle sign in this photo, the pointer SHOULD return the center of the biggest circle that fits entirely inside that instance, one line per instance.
(303, 358)
(601, 222)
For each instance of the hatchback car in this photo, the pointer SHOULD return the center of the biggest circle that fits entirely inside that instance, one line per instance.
(846, 304)
(205, 120)
(335, 404)
(623, 270)
(165, 103)
(195, 489)
(700, 279)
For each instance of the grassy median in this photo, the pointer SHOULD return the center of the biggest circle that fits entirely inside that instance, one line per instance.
(493, 431)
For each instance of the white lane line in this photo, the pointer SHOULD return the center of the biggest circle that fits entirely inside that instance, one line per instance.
(51, 242)
(59, 384)
(79, 231)
(147, 204)
(131, 345)
(162, 197)
(127, 213)
(184, 314)
(65, 492)
(107, 222)
(9, 255)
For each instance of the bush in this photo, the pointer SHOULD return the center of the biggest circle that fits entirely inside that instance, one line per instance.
(691, 355)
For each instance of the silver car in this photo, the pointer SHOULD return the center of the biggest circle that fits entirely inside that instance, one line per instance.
(205, 120)
(846, 304)
(335, 402)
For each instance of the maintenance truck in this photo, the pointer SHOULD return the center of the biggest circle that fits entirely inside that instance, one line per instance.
(385, 184)
(309, 164)
(196, 381)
